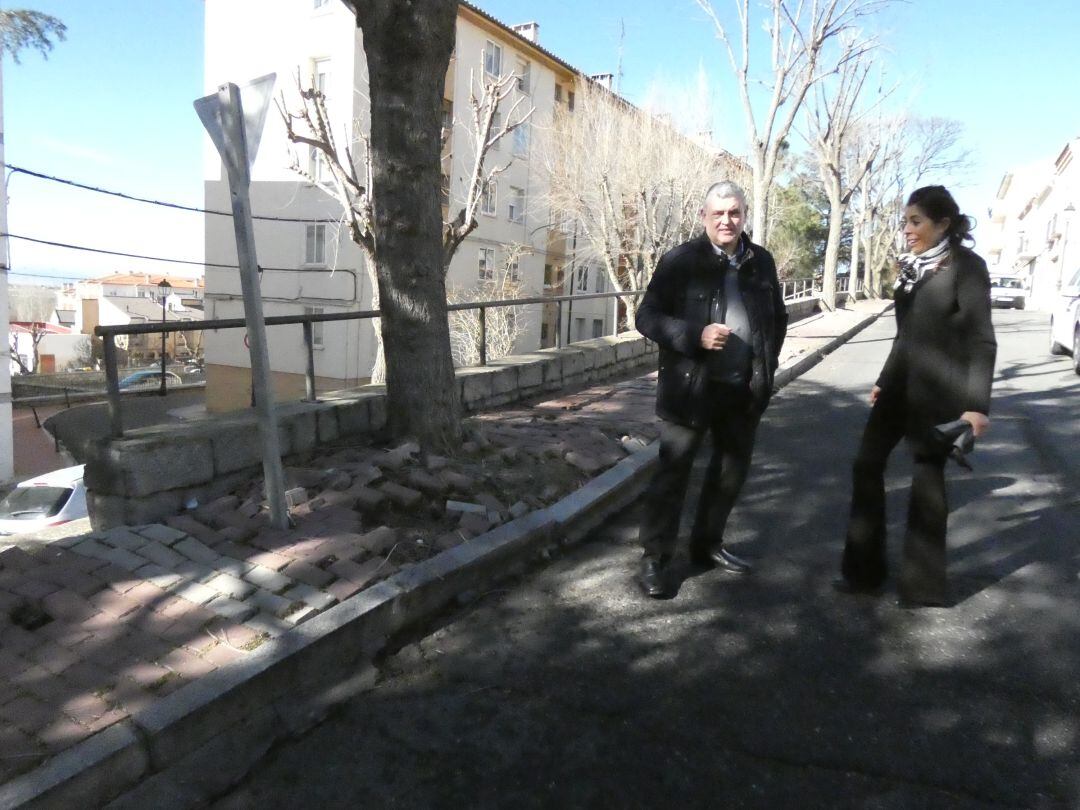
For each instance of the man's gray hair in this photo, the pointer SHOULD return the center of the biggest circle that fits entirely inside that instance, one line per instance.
(725, 189)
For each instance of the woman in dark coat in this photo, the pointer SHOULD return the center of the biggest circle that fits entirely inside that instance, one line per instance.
(939, 370)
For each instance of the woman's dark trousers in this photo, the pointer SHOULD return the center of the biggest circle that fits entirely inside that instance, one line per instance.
(922, 570)
(733, 425)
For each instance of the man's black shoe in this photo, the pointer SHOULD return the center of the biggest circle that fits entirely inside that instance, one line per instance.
(846, 586)
(720, 558)
(652, 578)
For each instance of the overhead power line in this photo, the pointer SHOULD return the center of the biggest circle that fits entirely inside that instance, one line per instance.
(177, 206)
(155, 258)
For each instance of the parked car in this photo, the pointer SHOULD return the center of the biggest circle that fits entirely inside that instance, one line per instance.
(47, 500)
(148, 378)
(1065, 321)
(1007, 291)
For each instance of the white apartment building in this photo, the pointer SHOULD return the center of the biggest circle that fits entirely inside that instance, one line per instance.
(1035, 232)
(310, 267)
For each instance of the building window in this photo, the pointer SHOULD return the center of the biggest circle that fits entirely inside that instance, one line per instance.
(579, 328)
(558, 94)
(447, 118)
(320, 75)
(496, 125)
(317, 167)
(444, 190)
(543, 332)
(599, 280)
(486, 264)
(492, 59)
(316, 327)
(320, 3)
(570, 99)
(488, 198)
(513, 270)
(549, 275)
(315, 244)
(516, 206)
(524, 72)
(521, 139)
(583, 278)
(597, 327)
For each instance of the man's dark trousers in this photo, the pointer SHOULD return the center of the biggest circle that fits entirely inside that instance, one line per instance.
(733, 423)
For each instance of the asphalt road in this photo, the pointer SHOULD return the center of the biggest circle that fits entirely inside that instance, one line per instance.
(569, 689)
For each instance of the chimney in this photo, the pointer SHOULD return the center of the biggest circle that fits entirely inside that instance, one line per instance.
(604, 79)
(529, 30)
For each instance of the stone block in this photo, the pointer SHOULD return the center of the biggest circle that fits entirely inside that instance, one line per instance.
(380, 541)
(161, 555)
(267, 602)
(318, 599)
(426, 482)
(231, 586)
(402, 497)
(232, 609)
(504, 379)
(458, 482)
(122, 537)
(326, 424)
(196, 551)
(268, 579)
(369, 501)
(162, 533)
(146, 464)
(237, 447)
(476, 387)
(353, 417)
(303, 431)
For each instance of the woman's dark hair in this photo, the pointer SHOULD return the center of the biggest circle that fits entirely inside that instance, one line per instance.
(938, 204)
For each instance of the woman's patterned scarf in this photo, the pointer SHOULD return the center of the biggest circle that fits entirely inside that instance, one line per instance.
(914, 266)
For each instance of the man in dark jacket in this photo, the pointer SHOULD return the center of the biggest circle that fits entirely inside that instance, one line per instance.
(715, 309)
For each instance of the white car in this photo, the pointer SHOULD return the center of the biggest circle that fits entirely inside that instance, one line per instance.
(1065, 321)
(47, 500)
(1007, 291)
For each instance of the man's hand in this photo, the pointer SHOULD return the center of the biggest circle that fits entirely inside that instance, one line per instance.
(980, 422)
(875, 392)
(714, 336)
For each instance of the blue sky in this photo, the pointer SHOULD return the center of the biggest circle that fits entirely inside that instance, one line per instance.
(111, 107)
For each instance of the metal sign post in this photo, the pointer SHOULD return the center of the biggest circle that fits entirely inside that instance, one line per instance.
(234, 118)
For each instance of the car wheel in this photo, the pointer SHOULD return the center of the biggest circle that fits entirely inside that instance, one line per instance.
(1055, 347)
(1020, 305)
(1076, 349)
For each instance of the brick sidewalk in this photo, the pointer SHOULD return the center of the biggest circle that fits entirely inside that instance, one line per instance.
(95, 628)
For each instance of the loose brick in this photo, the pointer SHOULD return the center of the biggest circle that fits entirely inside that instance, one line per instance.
(369, 501)
(161, 554)
(195, 592)
(52, 657)
(426, 482)
(187, 664)
(380, 541)
(231, 608)
(309, 574)
(159, 577)
(268, 579)
(342, 589)
(318, 599)
(122, 537)
(196, 551)
(231, 586)
(308, 550)
(189, 526)
(68, 606)
(113, 603)
(403, 497)
(166, 534)
(271, 603)
(269, 559)
(344, 546)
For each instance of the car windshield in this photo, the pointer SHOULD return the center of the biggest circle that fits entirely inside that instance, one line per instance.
(1008, 283)
(27, 503)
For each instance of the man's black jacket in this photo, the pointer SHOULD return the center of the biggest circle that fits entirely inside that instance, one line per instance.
(676, 308)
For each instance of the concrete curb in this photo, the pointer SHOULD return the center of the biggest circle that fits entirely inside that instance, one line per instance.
(196, 742)
(801, 365)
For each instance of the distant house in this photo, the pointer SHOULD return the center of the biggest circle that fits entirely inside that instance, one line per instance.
(131, 298)
(38, 347)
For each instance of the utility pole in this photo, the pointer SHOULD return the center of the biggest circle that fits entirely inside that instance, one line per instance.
(235, 128)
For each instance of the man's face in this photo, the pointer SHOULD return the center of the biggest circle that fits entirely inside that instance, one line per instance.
(723, 218)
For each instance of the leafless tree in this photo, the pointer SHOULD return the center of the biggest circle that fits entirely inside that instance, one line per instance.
(347, 171)
(833, 116)
(798, 33)
(627, 184)
(36, 331)
(503, 326)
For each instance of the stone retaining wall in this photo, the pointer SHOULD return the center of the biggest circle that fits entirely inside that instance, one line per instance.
(152, 473)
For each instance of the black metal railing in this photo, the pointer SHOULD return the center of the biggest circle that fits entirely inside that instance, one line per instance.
(792, 291)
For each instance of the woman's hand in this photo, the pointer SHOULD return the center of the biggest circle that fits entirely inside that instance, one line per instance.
(875, 392)
(980, 422)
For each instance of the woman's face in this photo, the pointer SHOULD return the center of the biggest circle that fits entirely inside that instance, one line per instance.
(920, 232)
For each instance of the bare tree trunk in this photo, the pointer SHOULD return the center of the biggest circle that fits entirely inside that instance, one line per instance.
(408, 49)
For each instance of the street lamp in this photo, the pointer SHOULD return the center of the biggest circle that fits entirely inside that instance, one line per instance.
(164, 286)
